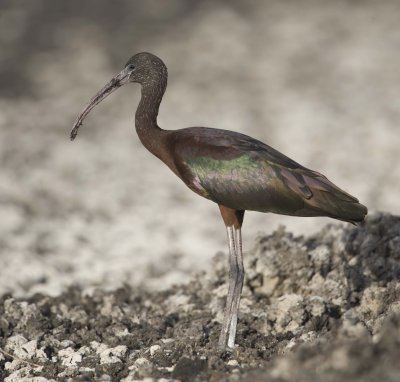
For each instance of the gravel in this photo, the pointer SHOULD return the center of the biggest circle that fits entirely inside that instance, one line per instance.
(323, 308)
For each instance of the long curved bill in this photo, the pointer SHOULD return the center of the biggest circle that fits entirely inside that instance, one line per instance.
(115, 83)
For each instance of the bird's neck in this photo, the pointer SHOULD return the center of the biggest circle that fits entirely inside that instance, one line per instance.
(150, 134)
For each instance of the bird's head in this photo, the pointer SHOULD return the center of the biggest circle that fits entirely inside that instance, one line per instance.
(143, 68)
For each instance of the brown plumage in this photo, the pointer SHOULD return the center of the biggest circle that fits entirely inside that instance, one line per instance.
(242, 173)
(233, 170)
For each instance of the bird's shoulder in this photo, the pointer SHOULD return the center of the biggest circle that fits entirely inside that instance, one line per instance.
(223, 145)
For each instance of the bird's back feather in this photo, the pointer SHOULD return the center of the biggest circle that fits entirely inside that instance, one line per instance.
(243, 173)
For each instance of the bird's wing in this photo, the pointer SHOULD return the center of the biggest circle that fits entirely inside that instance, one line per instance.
(237, 170)
(242, 173)
(301, 180)
(241, 147)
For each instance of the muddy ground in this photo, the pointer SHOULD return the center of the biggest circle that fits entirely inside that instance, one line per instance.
(317, 80)
(323, 308)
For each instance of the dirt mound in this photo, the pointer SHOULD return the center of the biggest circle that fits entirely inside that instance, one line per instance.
(321, 308)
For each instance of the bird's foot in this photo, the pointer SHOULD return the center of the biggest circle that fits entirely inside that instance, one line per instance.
(228, 333)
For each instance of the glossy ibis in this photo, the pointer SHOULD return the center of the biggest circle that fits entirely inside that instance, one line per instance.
(233, 170)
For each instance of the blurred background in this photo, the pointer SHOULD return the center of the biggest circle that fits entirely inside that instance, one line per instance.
(317, 80)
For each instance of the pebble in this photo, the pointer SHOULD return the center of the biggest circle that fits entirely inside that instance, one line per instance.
(14, 345)
(154, 349)
(69, 357)
(113, 355)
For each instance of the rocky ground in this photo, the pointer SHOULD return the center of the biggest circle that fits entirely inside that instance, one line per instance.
(321, 308)
(317, 80)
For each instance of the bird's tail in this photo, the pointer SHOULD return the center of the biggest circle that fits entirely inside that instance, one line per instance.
(333, 201)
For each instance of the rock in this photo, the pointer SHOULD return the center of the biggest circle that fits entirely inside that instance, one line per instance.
(113, 355)
(268, 285)
(372, 301)
(22, 373)
(14, 345)
(142, 368)
(352, 326)
(290, 312)
(66, 343)
(30, 348)
(316, 306)
(69, 357)
(154, 349)
(110, 309)
(19, 377)
(233, 362)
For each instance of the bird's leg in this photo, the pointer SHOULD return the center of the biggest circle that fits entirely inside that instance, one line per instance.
(237, 292)
(233, 220)
(226, 331)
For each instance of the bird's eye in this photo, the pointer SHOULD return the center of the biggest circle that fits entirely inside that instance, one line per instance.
(131, 66)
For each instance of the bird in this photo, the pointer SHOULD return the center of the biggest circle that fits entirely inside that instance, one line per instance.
(233, 170)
